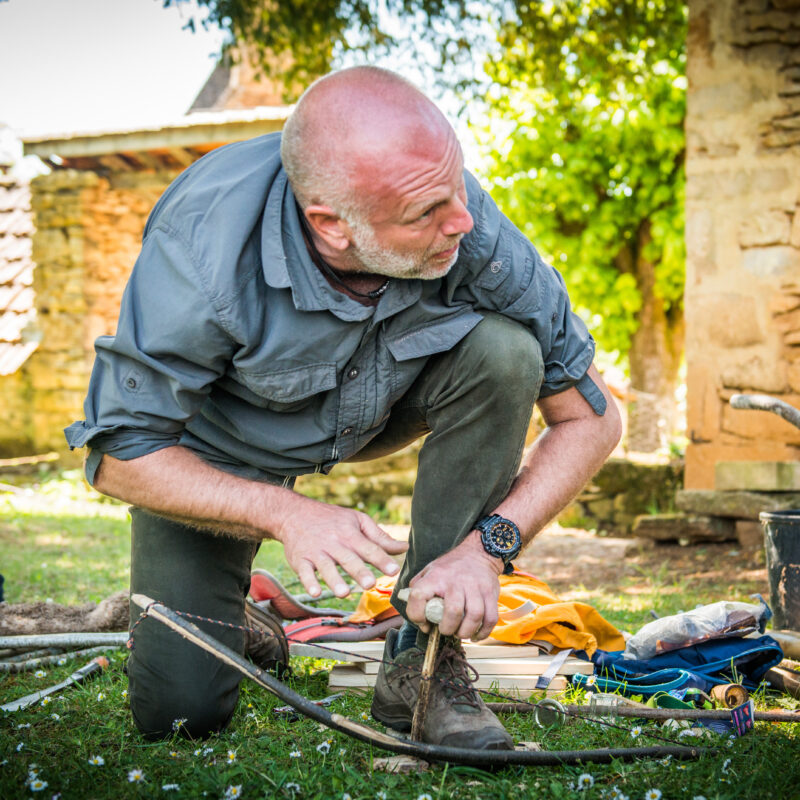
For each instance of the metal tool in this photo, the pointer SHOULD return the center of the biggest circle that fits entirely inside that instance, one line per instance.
(94, 667)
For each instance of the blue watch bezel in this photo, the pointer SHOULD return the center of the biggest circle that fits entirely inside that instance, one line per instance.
(486, 526)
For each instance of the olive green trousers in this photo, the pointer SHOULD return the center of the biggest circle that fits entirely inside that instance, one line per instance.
(474, 402)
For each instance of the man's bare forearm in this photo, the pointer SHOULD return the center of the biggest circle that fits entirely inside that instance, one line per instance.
(561, 461)
(177, 484)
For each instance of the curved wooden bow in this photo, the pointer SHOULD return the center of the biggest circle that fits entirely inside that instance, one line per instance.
(428, 752)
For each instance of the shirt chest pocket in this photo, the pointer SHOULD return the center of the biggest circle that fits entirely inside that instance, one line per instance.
(291, 389)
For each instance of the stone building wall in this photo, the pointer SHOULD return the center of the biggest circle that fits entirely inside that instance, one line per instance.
(88, 234)
(15, 399)
(742, 298)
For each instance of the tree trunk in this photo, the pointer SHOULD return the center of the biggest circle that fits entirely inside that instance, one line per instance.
(655, 359)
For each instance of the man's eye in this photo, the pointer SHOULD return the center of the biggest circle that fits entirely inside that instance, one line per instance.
(425, 214)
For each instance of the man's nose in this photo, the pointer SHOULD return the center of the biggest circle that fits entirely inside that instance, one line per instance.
(459, 222)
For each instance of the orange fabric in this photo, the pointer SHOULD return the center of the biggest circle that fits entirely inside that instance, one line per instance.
(563, 624)
(376, 601)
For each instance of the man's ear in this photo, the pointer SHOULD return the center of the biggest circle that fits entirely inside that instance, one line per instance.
(329, 226)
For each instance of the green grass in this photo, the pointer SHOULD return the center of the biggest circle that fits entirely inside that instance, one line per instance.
(62, 543)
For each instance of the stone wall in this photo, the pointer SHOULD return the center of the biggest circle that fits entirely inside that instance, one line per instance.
(88, 234)
(742, 298)
(15, 399)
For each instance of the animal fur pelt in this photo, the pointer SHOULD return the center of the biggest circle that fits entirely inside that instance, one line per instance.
(20, 619)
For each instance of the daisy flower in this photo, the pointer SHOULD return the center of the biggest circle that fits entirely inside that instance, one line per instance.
(726, 764)
(40, 673)
(323, 747)
(170, 787)
(296, 754)
(381, 795)
(233, 791)
(292, 787)
(699, 797)
(231, 756)
(585, 781)
(56, 717)
(346, 796)
(424, 797)
(97, 761)
(23, 725)
(36, 785)
(101, 696)
(135, 776)
(61, 662)
(364, 715)
(124, 695)
(652, 794)
(636, 731)
(173, 753)
(177, 724)
(198, 752)
(207, 751)
(47, 700)
(20, 746)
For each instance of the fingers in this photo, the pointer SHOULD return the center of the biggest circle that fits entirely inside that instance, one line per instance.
(332, 536)
(381, 546)
(470, 605)
(305, 571)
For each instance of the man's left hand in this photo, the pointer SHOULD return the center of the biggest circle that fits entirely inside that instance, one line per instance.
(467, 579)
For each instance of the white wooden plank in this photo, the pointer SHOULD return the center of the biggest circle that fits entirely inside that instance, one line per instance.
(355, 651)
(347, 678)
(511, 666)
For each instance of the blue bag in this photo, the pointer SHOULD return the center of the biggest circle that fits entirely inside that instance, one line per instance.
(699, 666)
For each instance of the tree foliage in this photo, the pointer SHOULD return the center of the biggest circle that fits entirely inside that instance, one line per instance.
(588, 99)
(302, 40)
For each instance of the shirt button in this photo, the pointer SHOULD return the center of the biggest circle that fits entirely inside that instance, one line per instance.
(131, 383)
(495, 266)
(347, 431)
(353, 373)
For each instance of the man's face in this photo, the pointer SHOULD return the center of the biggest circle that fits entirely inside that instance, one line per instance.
(418, 215)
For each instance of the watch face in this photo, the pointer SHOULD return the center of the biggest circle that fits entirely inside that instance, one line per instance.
(504, 537)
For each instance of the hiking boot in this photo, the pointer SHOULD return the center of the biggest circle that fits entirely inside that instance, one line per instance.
(265, 643)
(456, 715)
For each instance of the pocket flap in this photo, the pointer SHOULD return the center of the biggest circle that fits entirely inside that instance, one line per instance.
(294, 383)
(433, 337)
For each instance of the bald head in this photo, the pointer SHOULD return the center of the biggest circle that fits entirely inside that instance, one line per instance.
(344, 130)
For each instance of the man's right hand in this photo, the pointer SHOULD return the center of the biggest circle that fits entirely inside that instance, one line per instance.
(316, 537)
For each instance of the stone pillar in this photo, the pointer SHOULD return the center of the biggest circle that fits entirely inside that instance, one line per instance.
(742, 299)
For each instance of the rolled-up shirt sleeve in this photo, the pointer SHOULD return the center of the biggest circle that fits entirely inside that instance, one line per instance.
(154, 375)
(518, 283)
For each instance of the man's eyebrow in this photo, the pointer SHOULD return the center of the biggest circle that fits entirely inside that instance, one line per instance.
(421, 206)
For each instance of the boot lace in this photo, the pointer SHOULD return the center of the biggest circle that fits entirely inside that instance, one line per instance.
(455, 675)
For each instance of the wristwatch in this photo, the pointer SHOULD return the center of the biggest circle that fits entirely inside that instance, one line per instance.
(500, 538)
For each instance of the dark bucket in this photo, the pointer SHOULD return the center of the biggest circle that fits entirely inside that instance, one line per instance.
(782, 544)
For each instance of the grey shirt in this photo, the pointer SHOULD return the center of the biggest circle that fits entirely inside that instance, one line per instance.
(232, 343)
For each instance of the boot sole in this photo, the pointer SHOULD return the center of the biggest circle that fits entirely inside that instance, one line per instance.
(401, 722)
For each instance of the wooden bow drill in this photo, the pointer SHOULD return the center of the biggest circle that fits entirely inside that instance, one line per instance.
(428, 752)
